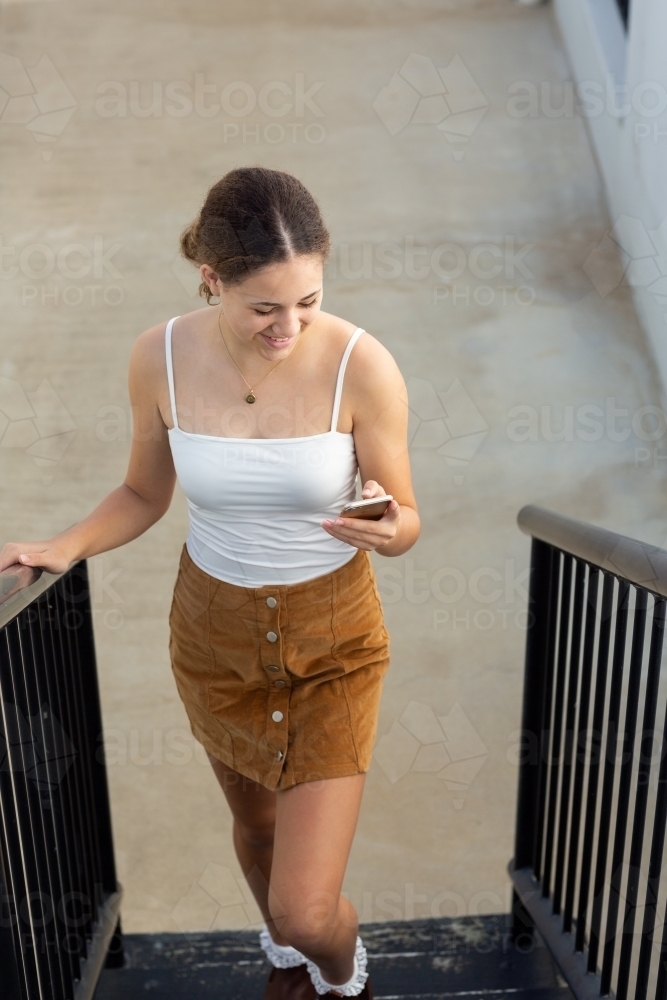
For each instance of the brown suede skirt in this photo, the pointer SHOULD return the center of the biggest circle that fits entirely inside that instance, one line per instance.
(281, 683)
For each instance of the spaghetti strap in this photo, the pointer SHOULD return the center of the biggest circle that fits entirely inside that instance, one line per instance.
(341, 375)
(170, 368)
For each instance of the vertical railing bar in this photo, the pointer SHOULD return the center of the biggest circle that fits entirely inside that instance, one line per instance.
(69, 685)
(595, 811)
(640, 805)
(62, 830)
(533, 698)
(11, 966)
(68, 639)
(581, 751)
(660, 814)
(86, 665)
(661, 980)
(570, 715)
(45, 677)
(72, 785)
(80, 685)
(613, 712)
(63, 818)
(55, 824)
(66, 672)
(557, 726)
(17, 862)
(601, 672)
(26, 671)
(623, 800)
(22, 798)
(544, 734)
(12, 969)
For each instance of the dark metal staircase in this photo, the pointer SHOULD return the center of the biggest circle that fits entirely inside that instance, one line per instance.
(589, 881)
(469, 957)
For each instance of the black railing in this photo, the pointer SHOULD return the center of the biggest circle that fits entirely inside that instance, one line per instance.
(59, 914)
(592, 801)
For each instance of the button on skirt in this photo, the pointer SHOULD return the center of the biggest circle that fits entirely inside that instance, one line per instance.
(281, 683)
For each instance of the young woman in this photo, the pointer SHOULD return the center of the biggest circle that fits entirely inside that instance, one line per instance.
(266, 409)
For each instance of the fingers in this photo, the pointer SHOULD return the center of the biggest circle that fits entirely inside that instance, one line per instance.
(22, 559)
(392, 514)
(371, 489)
(360, 539)
(34, 554)
(366, 534)
(9, 556)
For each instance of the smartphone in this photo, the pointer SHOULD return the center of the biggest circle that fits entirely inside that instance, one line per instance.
(369, 510)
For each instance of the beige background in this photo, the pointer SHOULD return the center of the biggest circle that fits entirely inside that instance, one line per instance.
(429, 841)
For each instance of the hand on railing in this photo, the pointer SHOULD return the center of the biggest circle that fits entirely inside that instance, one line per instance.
(49, 555)
(15, 578)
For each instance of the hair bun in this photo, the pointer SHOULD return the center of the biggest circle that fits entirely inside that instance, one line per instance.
(254, 217)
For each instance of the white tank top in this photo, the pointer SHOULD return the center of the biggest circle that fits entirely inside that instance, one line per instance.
(256, 504)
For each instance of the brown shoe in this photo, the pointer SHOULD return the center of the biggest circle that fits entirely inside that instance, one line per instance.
(290, 984)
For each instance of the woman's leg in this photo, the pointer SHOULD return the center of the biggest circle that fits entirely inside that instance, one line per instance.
(314, 827)
(254, 810)
(313, 824)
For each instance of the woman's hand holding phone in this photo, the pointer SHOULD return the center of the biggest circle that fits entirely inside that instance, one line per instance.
(364, 533)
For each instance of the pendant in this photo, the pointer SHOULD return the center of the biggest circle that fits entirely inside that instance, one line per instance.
(251, 397)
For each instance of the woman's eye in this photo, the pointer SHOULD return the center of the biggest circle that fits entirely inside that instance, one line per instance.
(303, 305)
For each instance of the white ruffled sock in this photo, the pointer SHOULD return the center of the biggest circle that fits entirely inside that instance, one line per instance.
(282, 956)
(354, 986)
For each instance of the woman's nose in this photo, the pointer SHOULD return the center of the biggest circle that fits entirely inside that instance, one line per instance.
(287, 326)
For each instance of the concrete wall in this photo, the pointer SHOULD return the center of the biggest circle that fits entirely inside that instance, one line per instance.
(621, 84)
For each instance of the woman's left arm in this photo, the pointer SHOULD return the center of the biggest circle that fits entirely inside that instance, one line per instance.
(377, 400)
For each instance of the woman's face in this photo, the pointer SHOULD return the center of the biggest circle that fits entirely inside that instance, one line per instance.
(270, 309)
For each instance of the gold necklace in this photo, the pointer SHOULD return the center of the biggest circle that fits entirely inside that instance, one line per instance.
(250, 396)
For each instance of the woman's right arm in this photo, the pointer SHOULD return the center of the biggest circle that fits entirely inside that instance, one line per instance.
(146, 493)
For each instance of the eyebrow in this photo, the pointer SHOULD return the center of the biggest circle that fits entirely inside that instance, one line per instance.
(302, 299)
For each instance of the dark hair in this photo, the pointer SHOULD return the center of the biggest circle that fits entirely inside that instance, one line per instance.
(254, 217)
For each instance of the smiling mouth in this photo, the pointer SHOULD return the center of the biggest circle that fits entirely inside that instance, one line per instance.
(277, 342)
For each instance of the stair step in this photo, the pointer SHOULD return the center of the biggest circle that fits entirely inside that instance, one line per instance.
(556, 993)
(471, 958)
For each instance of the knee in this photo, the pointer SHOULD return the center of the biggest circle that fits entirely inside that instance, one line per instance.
(302, 935)
(303, 928)
(258, 835)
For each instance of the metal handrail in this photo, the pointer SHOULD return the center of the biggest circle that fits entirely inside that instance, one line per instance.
(593, 682)
(55, 827)
(638, 562)
(19, 586)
